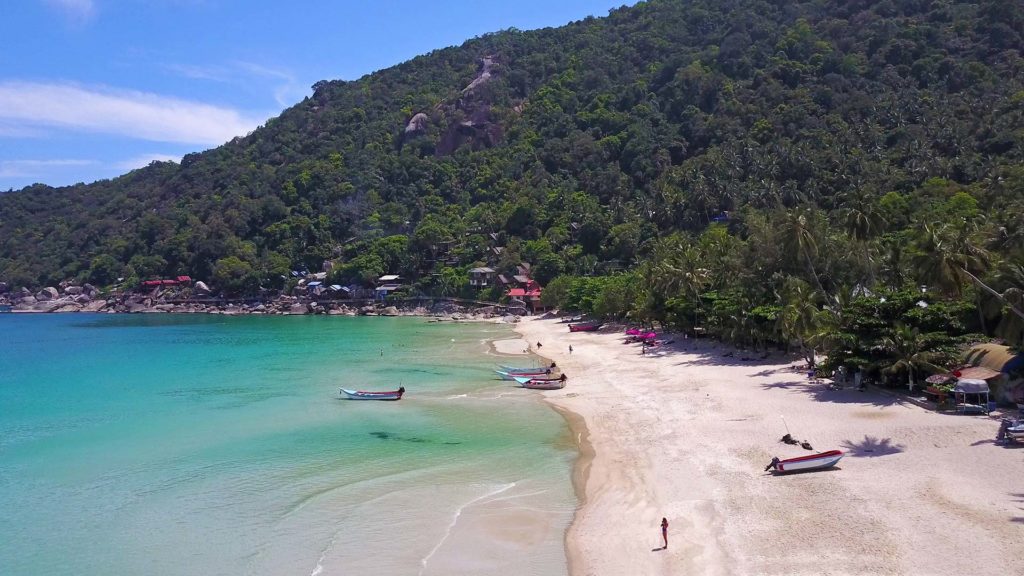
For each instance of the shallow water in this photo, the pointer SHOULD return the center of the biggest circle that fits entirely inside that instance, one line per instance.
(170, 444)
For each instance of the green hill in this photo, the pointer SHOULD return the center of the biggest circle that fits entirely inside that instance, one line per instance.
(829, 138)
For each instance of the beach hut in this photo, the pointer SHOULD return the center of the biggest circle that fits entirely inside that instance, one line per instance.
(998, 365)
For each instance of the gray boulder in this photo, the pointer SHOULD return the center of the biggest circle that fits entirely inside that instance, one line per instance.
(418, 123)
(90, 289)
(48, 293)
(201, 288)
(390, 311)
(48, 305)
(73, 290)
(95, 306)
(83, 299)
(297, 309)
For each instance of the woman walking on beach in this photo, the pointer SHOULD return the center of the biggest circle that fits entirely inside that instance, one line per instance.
(664, 531)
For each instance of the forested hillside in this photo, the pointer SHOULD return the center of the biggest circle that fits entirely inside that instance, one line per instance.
(731, 157)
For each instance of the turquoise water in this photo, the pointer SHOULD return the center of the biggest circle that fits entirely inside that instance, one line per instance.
(160, 444)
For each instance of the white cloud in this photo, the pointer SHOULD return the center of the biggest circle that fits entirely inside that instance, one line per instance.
(287, 92)
(285, 88)
(127, 113)
(75, 11)
(144, 160)
(34, 168)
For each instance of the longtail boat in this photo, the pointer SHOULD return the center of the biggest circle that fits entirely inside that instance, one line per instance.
(585, 326)
(542, 383)
(804, 463)
(529, 370)
(540, 373)
(364, 395)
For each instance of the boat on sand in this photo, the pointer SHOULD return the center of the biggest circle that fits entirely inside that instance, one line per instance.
(585, 327)
(805, 463)
(542, 383)
(365, 395)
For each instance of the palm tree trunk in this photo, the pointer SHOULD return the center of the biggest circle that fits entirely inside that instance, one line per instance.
(992, 291)
(810, 266)
(870, 265)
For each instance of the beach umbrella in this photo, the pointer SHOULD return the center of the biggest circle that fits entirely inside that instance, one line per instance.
(939, 378)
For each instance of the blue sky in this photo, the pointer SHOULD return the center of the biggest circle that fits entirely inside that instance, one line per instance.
(91, 89)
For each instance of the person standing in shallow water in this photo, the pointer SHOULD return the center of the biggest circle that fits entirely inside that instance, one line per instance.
(664, 531)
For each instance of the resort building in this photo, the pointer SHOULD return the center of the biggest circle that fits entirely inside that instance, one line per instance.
(482, 277)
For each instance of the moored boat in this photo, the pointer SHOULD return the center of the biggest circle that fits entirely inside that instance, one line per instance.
(365, 395)
(542, 383)
(805, 463)
(526, 370)
(585, 326)
(540, 373)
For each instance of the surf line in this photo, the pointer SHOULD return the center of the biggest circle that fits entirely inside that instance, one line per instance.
(455, 519)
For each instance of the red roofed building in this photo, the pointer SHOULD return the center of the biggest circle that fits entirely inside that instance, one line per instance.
(529, 292)
(178, 281)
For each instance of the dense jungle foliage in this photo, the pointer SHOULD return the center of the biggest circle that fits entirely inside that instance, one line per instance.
(769, 171)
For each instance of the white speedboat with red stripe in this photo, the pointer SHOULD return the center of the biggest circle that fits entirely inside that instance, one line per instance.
(803, 463)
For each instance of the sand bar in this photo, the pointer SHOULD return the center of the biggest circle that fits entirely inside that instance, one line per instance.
(686, 433)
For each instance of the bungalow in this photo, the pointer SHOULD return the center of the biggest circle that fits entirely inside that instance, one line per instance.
(177, 281)
(481, 277)
(386, 285)
(1001, 367)
(528, 294)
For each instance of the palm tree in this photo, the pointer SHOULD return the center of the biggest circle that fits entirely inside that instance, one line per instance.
(905, 346)
(798, 238)
(948, 257)
(1011, 325)
(863, 222)
(677, 271)
(801, 317)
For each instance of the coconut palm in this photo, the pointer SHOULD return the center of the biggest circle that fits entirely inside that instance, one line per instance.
(863, 222)
(947, 258)
(801, 316)
(798, 238)
(905, 347)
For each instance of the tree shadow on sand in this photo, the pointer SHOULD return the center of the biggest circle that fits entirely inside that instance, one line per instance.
(820, 391)
(872, 447)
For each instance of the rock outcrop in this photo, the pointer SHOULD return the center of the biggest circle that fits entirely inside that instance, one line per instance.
(48, 293)
(417, 124)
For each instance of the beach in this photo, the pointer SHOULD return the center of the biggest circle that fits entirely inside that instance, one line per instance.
(685, 432)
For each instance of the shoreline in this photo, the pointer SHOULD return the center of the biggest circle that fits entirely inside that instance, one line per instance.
(685, 431)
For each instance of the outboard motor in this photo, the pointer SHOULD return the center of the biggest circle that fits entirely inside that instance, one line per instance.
(1004, 425)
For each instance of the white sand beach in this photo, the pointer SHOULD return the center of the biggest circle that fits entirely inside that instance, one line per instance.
(686, 433)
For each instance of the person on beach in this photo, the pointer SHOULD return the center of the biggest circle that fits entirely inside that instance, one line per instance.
(538, 345)
(664, 531)
(570, 349)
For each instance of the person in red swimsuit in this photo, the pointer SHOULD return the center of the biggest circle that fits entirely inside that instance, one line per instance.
(664, 531)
